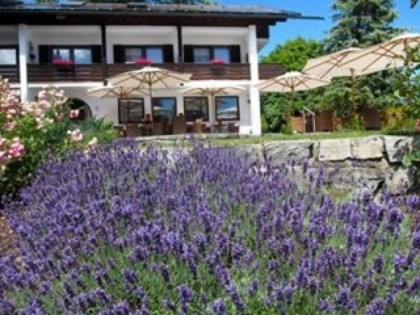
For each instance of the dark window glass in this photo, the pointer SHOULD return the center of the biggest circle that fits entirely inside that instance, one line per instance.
(202, 55)
(222, 53)
(205, 54)
(130, 110)
(8, 56)
(164, 109)
(153, 53)
(78, 55)
(227, 108)
(196, 108)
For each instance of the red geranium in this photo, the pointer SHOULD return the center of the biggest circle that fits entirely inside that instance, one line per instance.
(66, 62)
(143, 61)
(217, 61)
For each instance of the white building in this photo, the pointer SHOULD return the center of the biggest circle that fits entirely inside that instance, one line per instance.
(102, 40)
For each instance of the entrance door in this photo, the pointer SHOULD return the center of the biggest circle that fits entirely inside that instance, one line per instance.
(164, 111)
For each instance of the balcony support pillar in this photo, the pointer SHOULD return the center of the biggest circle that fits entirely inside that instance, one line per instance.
(23, 61)
(254, 94)
(104, 61)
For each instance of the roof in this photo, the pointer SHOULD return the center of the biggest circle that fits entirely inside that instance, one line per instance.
(72, 7)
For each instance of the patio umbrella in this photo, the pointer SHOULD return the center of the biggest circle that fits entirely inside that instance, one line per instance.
(291, 82)
(331, 66)
(114, 91)
(150, 78)
(212, 88)
(390, 54)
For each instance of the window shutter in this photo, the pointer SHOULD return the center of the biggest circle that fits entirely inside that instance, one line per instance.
(44, 53)
(119, 54)
(168, 54)
(235, 54)
(188, 53)
(96, 54)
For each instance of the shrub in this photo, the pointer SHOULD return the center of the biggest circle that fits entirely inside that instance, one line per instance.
(30, 132)
(147, 232)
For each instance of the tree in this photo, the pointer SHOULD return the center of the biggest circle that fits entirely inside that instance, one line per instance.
(292, 56)
(361, 24)
(413, 3)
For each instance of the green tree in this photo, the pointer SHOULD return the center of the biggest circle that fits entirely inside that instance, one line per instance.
(291, 56)
(294, 54)
(361, 24)
(413, 3)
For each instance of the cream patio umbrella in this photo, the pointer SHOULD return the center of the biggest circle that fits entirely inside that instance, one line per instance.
(390, 54)
(150, 78)
(329, 66)
(114, 91)
(211, 88)
(292, 82)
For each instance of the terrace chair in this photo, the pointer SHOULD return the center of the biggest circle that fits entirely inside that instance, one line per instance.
(132, 130)
(179, 126)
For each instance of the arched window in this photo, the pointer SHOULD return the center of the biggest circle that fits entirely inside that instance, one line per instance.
(84, 110)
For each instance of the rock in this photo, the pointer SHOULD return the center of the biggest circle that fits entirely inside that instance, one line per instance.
(367, 148)
(249, 154)
(282, 152)
(334, 150)
(397, 147)
(401, 180)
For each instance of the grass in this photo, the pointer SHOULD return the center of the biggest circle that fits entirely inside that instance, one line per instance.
(285, 137)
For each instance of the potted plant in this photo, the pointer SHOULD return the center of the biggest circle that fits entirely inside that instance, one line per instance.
(143, 61)
(63, 64)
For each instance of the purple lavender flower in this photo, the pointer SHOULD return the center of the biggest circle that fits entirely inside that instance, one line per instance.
(219, 307)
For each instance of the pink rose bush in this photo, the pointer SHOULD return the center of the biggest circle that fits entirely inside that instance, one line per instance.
(32, 131)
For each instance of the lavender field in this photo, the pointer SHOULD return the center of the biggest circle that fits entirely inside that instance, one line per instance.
(130, 231)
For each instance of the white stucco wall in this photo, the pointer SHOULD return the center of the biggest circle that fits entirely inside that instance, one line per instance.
(108, 107)
(8, 35)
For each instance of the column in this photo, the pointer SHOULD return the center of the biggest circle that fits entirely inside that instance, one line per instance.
(23, 62)
(254, 94)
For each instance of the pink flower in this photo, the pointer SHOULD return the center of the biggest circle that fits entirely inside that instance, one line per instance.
(10, 125)
(75, 135)
(74, 113)
(217, 61)
(17, 149)
(66, 62)
(143, 61)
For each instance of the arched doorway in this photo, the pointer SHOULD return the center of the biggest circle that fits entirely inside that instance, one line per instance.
(84, 110)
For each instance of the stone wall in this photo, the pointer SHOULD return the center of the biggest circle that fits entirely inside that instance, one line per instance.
(373, 163)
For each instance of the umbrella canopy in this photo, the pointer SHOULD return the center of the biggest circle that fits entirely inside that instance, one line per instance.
(292, 82)
(212, 88)
(150, 78)
(114, 91)
(390, 54)
(330, 65)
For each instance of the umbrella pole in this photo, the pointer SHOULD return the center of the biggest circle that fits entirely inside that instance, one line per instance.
(353, 92)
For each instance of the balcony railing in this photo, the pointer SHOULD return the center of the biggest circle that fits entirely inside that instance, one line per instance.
(47, 73)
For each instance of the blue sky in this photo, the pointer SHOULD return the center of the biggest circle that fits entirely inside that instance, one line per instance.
(313, 29)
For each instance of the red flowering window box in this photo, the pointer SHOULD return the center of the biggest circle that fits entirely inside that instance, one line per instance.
(64, 65)
(143, 61)
(218, 61)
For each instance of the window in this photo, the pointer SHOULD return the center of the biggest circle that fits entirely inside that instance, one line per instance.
(195, 108)
(221, 53)
(204, 54)
(164, 109)
(78, 55)
(130, 110)
(153, 53)
(8, 56)
(227, 108)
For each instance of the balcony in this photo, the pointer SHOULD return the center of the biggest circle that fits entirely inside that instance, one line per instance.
(49, 73)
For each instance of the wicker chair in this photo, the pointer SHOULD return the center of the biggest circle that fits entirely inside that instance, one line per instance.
(132, 130)
(179, 126)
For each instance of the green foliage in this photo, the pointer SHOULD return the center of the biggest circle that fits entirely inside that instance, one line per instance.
(413, 3)
(294, 54)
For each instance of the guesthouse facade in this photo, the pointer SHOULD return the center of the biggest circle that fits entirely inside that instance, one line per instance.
(77, 46)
